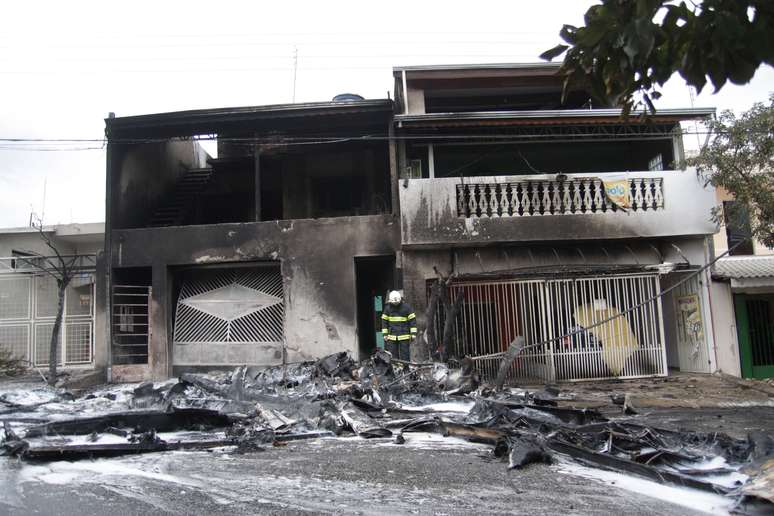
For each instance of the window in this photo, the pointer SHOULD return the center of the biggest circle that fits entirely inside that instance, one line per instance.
(656, 163)
(737, 221)
(21, 264)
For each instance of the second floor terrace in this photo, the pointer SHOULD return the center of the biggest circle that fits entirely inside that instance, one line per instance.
(255, 164)
(554, 207)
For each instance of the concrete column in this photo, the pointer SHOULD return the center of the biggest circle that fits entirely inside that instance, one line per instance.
(160, 351)
(395, 164)
(102, 340)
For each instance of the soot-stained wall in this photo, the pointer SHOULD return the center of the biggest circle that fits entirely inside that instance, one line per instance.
(143, 173)
(316, 257)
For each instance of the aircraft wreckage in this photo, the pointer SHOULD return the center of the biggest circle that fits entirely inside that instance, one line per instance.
(382, 398)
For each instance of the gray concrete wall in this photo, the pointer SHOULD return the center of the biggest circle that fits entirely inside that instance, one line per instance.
(144, 173)
(429, 215)
(317, 265)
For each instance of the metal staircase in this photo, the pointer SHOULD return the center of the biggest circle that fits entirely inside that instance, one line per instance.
(174, 208)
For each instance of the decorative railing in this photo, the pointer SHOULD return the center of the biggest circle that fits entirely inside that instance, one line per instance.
(577, 195)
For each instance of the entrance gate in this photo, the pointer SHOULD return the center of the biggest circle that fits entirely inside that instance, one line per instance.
(28, 306)
(755, 323)
(553, 316)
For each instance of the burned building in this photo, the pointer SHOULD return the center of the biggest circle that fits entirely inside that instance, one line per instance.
(551, 215)
(256, 255)
(559, 220)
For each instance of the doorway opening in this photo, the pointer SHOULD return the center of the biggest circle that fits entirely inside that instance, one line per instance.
(374, 277)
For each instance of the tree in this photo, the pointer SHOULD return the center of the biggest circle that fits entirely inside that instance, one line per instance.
(62, 268)
(740, 158)
(630, 48)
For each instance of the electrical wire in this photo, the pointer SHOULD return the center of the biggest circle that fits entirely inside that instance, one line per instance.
(34, 143)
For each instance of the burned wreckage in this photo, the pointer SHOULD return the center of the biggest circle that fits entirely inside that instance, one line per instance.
(248, 409)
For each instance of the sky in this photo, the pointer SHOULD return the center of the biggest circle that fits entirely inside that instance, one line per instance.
(65, 65)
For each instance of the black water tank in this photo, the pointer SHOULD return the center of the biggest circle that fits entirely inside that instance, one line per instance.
(347, 97)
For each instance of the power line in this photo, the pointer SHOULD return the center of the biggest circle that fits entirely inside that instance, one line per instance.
(275, 139)
(80, 144)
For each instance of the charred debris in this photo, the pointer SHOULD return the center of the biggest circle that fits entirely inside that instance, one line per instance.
(248, 409)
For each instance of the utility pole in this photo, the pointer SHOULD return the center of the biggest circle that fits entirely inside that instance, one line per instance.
(295, 71)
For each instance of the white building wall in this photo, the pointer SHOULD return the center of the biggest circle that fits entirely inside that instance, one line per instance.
(726, 339)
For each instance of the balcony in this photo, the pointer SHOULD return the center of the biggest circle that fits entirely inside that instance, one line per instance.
(480, 210)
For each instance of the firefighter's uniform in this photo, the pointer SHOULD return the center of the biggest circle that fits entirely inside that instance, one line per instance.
(399, 327)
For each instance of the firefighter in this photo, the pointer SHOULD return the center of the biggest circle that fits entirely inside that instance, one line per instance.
(399, 326)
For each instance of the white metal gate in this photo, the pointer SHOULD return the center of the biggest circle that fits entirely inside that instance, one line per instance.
(563, 323)
(231, 306)
(28, 305)
(692, 347)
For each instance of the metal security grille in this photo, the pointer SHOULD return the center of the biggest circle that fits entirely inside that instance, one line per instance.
(234, 305)
(552, 316)
(131, 324)
(28, 305)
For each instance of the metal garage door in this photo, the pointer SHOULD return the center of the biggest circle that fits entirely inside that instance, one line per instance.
(229, 316)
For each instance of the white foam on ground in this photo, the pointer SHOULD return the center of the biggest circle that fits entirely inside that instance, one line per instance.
(730, 480)
(685, 497)
(430, 441)
(446, 406)
(65, 472)
(27, 395)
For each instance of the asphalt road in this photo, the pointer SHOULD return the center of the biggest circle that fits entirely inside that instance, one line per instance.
(427, 475)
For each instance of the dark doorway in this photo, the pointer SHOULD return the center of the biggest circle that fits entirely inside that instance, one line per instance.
(374, 277)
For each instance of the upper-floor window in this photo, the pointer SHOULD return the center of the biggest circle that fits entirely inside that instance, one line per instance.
(737, 222)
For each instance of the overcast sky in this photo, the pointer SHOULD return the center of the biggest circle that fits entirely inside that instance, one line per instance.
(65, 65)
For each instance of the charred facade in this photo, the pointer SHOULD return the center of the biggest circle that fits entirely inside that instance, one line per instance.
(278, 244)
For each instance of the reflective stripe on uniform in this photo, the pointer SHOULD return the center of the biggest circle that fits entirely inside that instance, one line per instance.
(398, 337)
(385, 331)
(414, 329)
(412, 315)
(395, 318)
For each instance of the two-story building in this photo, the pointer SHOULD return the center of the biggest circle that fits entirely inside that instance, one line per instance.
(553, 216)
(256, 255)
(514, 190)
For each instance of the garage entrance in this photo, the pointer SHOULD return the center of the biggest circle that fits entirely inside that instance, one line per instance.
(229, 316)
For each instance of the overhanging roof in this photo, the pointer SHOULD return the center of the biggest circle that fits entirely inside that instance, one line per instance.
(742, 267)
(485, 66)
(207, 121)
(553, 115)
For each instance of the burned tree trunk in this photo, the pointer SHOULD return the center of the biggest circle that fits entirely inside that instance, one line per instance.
(448, 327)
(429, 337)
